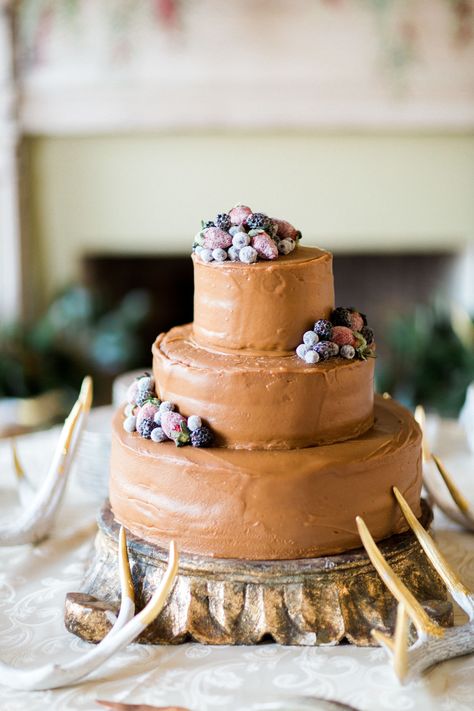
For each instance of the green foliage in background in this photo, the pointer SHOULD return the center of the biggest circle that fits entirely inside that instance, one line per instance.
(431, 359)
(78, 334)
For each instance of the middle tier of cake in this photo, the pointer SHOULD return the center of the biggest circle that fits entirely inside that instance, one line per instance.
(262, 402)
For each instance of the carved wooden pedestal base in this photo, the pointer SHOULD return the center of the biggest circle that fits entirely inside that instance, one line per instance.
(300, 602)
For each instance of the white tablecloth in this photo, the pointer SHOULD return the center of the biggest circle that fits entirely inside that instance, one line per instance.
(34, 581)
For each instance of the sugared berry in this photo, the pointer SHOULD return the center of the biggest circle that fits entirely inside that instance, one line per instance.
(239, 213)
(323, 329)
(130, 424)
(157, 435)
(248, 255)
(347, 352)
(219, 255)
(333, 349)
(264, 245)
(128, 409)
(257, 221)
(357, 320)
(343, 336)
(286, 230)
(323, 349)
(310, 338)
(208, 223)
(194, 422)
(144, 396)
(202, 437)
(206, 255)
(233, 254)
(146, 427)
(368, 334)
(302, 350)
(146, 383)
(157, 418)
(241, 239)
(215, 238)
(167, 406)
(132, 391)
(285, 246)
(146, 418)
(312, 357)
(234, 230)
(174, 426)
(223, 221)
(341, 317)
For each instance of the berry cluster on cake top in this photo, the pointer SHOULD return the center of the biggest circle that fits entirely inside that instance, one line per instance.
(159, 420)
(346, 334)
(242, 235)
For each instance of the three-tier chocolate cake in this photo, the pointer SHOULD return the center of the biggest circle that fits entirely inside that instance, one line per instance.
(254, 444)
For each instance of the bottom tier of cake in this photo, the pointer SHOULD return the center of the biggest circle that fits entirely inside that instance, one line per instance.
(268, 505)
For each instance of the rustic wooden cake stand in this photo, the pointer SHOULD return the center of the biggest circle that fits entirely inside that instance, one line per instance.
(297, 602)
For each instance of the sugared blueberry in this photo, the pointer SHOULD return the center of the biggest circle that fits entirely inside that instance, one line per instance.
(167, 406)
(310, 338)
(194, 422)
(206, 255)
(302, 350)
(347, 352)
(248, 255)
(285, 246)
(233, 254)
(241, 239)
(130, 424)
(157, 435)
(311, 357)
(219, 255)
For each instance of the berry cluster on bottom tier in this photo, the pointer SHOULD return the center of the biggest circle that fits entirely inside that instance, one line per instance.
(346, 334)
(158, 420)
(242, 235)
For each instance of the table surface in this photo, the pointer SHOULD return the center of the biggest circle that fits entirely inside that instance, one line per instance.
(34, 581)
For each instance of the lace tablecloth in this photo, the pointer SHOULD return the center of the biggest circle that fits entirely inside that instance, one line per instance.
(34, 581)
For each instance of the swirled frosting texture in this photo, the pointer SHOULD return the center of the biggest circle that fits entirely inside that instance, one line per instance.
(268, 505)
(265, 306)
(258, 402)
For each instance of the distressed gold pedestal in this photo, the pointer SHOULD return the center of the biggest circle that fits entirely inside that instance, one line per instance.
(297, 602)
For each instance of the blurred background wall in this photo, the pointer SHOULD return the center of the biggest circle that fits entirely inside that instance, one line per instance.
(349, 192)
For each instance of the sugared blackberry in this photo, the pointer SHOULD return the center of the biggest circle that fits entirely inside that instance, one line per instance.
(223, 221)
(208, 223)
(202, 437)
(145, 427)
(324, 349)
(368, 334)
(258, 221)
(323, 329)
(341, 317)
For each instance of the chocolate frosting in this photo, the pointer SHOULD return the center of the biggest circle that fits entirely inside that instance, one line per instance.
(262, 402)
(265, 306)
(268, 505)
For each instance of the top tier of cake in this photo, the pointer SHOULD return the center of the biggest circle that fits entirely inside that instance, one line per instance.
(264, 307)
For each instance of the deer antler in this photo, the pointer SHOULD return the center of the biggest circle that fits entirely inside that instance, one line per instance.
(125, 630)
(434, 644)
(36, 519)
(458, 509)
